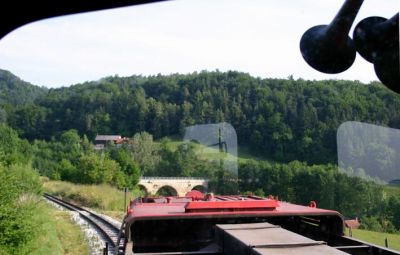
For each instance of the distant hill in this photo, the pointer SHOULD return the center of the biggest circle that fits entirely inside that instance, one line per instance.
(15, 91)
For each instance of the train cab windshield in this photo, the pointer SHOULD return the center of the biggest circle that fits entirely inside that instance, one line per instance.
(218, 119)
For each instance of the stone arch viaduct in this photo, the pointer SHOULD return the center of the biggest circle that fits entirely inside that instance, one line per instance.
(181, 185)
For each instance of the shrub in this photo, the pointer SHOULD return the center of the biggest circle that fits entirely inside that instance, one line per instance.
(371, 223)
(19, 190)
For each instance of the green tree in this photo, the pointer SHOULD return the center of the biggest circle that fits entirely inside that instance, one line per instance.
(145, 152)
(130, 169)
(97, 169)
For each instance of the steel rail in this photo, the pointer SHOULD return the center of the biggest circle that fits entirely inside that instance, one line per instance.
(108, 230)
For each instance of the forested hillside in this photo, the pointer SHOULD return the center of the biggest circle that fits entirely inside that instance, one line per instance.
(280, 119)
(14, 91)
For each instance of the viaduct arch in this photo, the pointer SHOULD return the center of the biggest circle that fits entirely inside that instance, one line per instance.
(181, 185)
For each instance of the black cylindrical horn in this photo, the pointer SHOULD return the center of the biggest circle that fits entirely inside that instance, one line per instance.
(387, 69)
(377, 40)
(328, 48)
(374, 34)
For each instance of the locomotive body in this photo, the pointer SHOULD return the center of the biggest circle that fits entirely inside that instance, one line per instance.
(208, 224)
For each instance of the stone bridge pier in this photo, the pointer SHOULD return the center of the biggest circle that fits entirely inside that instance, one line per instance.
(178, 185)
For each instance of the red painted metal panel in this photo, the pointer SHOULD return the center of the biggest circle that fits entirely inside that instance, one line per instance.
(218, 206)
(245, 205)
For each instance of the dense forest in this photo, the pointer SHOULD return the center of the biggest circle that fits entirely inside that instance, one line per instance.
(291, 125)
(14, 91)
(280, 119)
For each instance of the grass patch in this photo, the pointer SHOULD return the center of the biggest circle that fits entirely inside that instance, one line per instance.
(103, 198)
(377, 238)
(392, 190)
(58, 235)
(69, 234)
(212, 153)
(47, 241)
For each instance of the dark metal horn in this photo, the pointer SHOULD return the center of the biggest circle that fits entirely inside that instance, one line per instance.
(328, 48)
(375, 34)
(377, 40)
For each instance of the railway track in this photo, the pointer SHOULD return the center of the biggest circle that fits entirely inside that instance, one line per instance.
(108, 230)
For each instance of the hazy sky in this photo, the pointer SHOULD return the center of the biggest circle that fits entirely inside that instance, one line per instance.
(260, 37)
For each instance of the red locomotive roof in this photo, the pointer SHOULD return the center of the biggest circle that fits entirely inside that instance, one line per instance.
(163, 223)
(213, 206)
